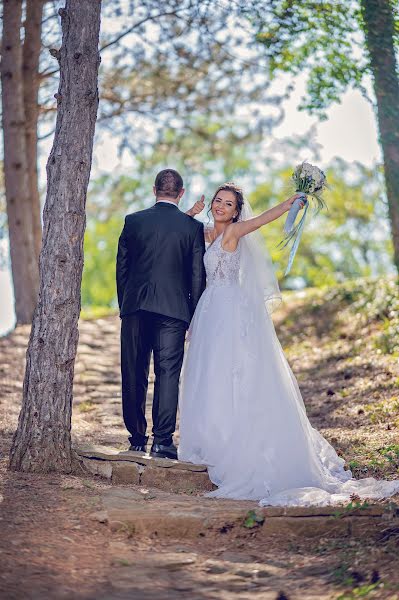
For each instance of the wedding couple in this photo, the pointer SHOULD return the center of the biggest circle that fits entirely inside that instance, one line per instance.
(241, 410)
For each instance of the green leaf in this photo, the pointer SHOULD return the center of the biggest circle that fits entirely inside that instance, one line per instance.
(253, 520)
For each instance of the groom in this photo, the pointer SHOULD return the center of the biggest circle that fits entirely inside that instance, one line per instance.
(160, 277)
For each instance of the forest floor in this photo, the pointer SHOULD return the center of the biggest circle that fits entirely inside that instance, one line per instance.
(54, 545)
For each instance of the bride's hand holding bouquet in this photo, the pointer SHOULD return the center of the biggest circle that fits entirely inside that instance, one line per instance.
(287, 204)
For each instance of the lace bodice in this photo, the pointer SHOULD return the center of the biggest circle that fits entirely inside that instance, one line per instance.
(222, 267)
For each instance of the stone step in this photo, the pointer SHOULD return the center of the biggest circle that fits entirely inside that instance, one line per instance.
(143, 512)
(128, 467)
(163, 499)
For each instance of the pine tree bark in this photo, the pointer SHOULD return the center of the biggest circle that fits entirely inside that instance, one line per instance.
(23, 258)
(379, 29)
(30, 71)
(42, 442)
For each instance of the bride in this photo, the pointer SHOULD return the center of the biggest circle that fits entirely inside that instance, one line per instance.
(241, 410)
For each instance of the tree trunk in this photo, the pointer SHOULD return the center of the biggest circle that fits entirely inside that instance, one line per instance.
(42, 442)
(30, 73)
(23, 260)
(379, 28)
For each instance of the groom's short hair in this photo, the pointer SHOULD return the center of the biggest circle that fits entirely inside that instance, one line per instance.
(168, 183)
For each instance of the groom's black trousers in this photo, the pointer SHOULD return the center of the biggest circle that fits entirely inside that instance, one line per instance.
(141, 333)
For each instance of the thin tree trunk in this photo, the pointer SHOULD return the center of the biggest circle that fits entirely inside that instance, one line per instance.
(31, 82)
(42, 442)
(23, 260)
(379, 27)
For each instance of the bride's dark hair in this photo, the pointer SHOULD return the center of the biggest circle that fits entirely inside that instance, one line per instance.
(229, 186)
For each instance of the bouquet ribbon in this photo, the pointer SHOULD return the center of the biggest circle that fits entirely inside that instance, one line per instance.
(294, 232)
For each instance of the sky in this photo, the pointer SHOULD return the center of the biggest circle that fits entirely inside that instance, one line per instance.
(349, 133)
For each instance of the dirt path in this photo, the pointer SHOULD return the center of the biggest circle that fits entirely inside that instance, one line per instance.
(53, 547)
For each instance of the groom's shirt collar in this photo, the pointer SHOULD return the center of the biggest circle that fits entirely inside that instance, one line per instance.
(166, 202)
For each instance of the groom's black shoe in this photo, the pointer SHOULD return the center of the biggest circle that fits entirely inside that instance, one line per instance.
(137, 449)
(161, 451)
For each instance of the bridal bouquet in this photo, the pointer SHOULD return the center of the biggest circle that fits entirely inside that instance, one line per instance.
(308, 181)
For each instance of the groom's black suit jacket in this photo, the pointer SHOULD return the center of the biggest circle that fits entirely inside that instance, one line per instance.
(160, 262)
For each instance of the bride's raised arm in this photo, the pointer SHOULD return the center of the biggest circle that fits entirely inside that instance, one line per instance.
(241, 228)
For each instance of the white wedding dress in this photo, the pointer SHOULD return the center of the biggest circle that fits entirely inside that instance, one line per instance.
(241, 410)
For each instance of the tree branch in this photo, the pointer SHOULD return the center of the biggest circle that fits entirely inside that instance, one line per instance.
(131, 29)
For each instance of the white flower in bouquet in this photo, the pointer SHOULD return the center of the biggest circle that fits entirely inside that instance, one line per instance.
(309, 180)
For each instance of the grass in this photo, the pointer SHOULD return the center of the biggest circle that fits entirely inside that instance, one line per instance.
(252, 520)
(360, 592)
(391, 453)
(369, 300)
(89, 313)
(355, 505)
(384, 411)
(86, 406)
